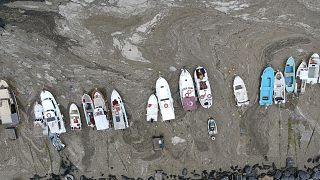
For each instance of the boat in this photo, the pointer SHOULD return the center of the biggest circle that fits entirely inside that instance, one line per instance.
(289, 75)
(39, 119)
(88, 109)
(313, 69)
(100, 111)
(152, 108)
(279, 89)
(164, 99)
(203, 87)
(266, 87)
(212, 128)
(52, 113)
(119, 115)
(54, 138)
(187, 91)
(240, 92)
(301, 78)
(75, 118)
(9, 112)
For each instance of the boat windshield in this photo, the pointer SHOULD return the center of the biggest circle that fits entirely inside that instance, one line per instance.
(238, 87)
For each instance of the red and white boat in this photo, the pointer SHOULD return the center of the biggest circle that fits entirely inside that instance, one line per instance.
(187, 91)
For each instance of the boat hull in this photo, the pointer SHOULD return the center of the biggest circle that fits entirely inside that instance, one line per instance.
(266, 87)
(279, 91)
(289, 75)
(119, 115)
(203, 87)
(301, 78)
(165, 100)
(240, 92)
(75, 118)
(88, 108)
(9, 106)
(313, 69)
(100, 111)
(152, 109)
(187, 91)
(52, 113)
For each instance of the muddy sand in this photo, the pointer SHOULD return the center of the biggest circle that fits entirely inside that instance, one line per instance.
(71, 47)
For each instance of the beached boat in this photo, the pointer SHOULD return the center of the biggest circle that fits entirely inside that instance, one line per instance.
(240, 92)
(54, 138)
(164, 99)
(313, 69)
(119, 115)
(279, 89)
(39, 121)
(266, 87)
(203, 87)
(152, 108)
(289, 75)
(75, 118)
(88, 109)
(212, 128)
(301, 78)
(100, 111)
(52, 113)
(9, 113)
(187, 91)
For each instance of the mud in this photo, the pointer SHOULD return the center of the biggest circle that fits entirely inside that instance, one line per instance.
(72, 47)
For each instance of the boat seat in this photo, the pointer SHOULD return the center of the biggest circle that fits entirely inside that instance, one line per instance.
(203, 85)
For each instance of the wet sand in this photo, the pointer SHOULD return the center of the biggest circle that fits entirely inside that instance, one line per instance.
(72, 47)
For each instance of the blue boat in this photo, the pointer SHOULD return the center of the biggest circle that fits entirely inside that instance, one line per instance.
(289, 75)
(266, 87)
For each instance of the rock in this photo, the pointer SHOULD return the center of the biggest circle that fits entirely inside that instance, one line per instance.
(303, 175)
(184, 171)
(289, 162)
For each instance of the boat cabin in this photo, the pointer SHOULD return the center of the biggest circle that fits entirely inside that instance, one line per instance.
(201, 73)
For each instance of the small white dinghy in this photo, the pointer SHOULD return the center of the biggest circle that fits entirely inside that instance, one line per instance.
(52, 113)
(164, 99)
(39, 119)
(100, 111)
(75, 119)
(119, 115)
(203, 87)
(187, 91)
(301, 78)
(152, 108)
(240, 92)
(212, 128)
(279, 88)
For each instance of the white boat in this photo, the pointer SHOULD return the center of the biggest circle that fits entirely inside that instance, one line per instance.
(212, 128)
(279, 88)
(313, 69)
(9, 113)
(240, 92)
(75, 118)
(203, 87)
(301, 78)
(39, 121)
(152, 108)
(100, 111)
(119, 115)
(164, 99)
(187, 91)
(88, 109)
(52, 113)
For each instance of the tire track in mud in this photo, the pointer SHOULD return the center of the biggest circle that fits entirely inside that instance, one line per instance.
(270, 50)
(250, 121)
